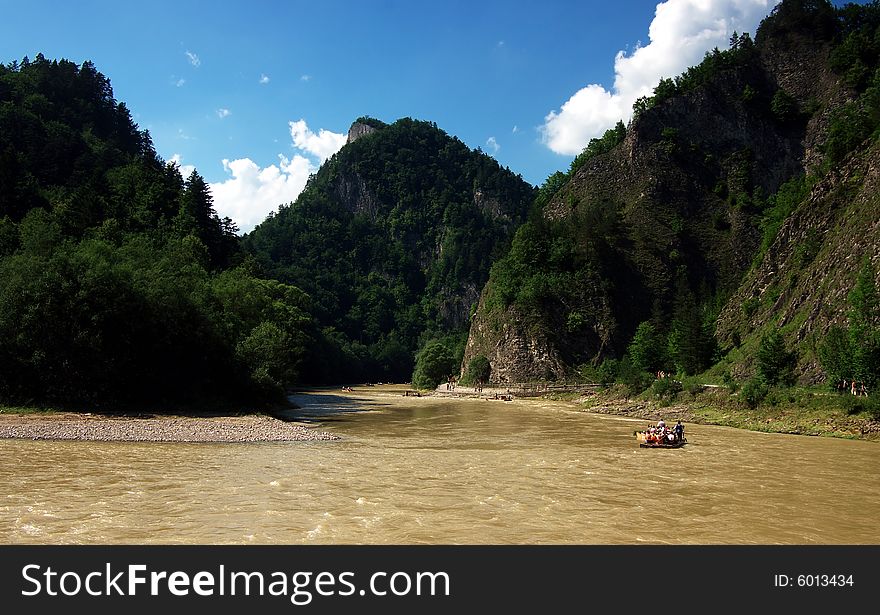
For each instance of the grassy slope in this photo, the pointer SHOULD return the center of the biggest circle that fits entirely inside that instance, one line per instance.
(810, 411)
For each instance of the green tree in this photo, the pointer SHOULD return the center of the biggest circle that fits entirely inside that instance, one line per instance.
(864, 326)
(647, 350)
(865, 310)
(434, 364)
(783, 106)
(836, 355)
(775, 364)
(691, 343)
(478, 370)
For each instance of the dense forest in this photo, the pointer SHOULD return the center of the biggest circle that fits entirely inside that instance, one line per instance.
(120, 284)
(393, 238)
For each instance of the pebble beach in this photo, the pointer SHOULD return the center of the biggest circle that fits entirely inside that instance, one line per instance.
(95, 427)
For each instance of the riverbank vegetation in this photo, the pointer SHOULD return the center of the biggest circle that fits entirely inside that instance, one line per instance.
(797, 410)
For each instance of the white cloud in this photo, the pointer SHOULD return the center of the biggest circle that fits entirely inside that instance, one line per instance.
(680, 34)
(185, 169)
(515, 129)
(193, 58)
(221, 113)
(323, 144)
(180, 82)
(251, 192)
(305, 78)
(491, 142)
(264, 79)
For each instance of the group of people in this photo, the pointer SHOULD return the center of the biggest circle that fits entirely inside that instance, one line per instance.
(855, 387)
(451, 381)
(661, 434)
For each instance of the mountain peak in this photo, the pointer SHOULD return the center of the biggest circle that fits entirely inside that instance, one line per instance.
(362, 127)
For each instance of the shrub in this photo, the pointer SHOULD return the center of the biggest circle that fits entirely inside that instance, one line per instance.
(635, 379)
(478, 370)
(434, 363)
(608, 371)
(783, 106)
(666, 388)
(729, 381)
(775, 362)
(753, 392)
(693, 386)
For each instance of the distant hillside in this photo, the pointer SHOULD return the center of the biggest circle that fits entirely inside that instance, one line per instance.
(671, 226)
(393, 238)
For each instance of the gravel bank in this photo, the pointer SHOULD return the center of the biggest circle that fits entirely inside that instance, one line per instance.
(70, 426)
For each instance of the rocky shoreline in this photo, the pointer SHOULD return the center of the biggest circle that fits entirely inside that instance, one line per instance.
(95, 427)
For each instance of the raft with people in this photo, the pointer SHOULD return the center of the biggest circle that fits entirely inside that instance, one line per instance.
(660, 436)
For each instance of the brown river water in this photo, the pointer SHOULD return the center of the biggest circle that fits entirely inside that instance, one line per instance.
(446, 471)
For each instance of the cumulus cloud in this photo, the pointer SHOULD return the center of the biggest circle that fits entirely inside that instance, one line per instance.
(492, 143)
(515, 129)
(264, 79)
(305, 78)
(323, 144)
(250, 192)
(221, 113)
(680, 34)
(193, 58)
(180, 82)
(185, 169)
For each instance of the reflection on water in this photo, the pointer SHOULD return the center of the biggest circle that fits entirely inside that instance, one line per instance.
(431, 470)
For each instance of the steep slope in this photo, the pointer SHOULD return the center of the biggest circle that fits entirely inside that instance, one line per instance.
(803, 282)
(661, 228)
(393, 237)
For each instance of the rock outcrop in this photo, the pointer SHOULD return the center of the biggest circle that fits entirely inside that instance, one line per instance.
(358, 130)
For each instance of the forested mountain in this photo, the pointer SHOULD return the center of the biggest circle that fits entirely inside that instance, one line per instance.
(393, 238)
(119, 284)
(740, 203)
(735, 217)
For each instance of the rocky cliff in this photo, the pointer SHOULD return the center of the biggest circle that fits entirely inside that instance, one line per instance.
(664, 226)
(802, 283)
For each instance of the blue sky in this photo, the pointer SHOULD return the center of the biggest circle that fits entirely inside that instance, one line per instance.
(254, 83)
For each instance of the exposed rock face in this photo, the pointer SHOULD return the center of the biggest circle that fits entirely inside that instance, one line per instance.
(803, 281)
(515, 354)
(800, 67)
(490, 206)
(358, 130)
(352, 190)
